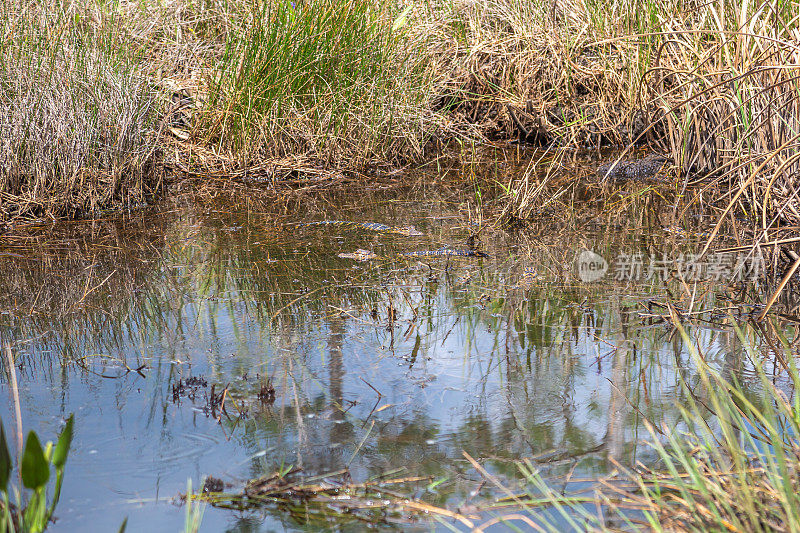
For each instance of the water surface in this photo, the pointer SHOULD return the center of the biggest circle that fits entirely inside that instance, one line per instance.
(391, 365)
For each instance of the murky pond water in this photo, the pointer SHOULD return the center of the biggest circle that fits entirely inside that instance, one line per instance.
(393, 366)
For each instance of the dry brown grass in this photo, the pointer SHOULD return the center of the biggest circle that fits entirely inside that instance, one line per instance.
(556, 73)
(727, 100)
(714, 85)
(128, 93)
(77, 120)
(100, 100)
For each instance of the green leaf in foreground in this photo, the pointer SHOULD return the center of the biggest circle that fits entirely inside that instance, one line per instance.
(35, 469)
(5, 460)
(64, 442)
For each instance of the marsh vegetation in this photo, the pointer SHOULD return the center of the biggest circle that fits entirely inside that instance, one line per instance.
(103, 99)
(339, 374)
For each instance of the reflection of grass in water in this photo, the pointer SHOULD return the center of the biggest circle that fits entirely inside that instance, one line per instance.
(202, 270)
(123, 295)
(731, 468)
(695, 416)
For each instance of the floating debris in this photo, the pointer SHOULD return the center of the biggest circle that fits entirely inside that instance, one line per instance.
(267, 393)
(188, 388)
(331, 497)
(213, 484)
(214, 401)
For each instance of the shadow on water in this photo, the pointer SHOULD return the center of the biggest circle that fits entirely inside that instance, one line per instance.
(394, 365)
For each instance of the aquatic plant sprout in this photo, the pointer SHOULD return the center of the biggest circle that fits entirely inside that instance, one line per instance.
(33, 510)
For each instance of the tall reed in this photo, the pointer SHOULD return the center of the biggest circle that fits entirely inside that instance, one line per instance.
(724, 94)
(713, 85)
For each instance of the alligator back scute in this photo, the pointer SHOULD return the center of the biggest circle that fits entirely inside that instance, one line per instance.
(340, 223)
(445, 252)
(375, 226)
(408, 231)
(633, 169)
(680, 232)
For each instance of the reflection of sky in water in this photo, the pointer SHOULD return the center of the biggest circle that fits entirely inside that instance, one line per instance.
(546, 372)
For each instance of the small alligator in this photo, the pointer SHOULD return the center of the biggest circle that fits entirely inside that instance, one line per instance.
(366, 255)
(633, 169)
(529, 277)
(408, 231)
(444, 252)
(680, 232)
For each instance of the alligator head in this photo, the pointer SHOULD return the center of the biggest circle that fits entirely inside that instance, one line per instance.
(408, 231)
(359, 255)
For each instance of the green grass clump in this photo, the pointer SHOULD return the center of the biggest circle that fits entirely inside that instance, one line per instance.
(333, 79)
(737, 467)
